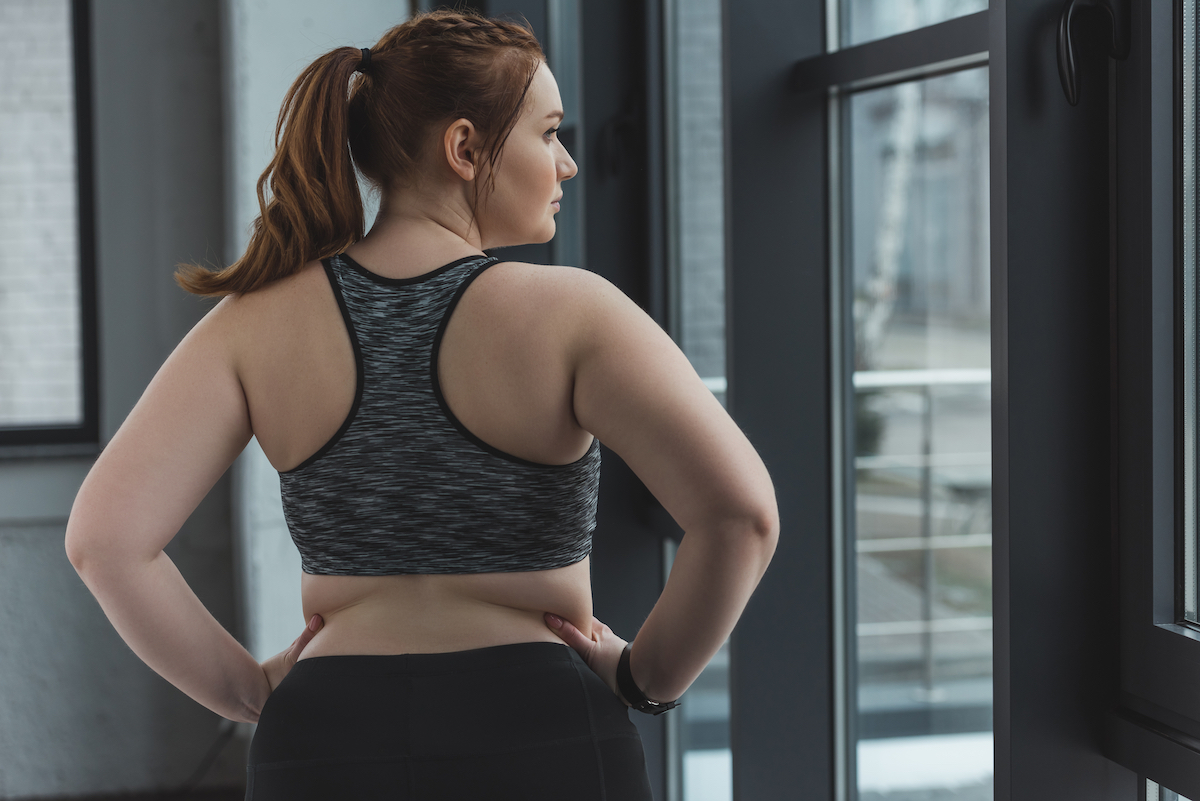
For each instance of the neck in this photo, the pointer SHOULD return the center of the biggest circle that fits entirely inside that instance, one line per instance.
(419, 227)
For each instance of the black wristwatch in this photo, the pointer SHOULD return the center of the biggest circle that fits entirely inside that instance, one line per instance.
(636, 698)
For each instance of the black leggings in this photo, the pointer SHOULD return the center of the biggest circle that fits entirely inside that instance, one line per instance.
(526, 721)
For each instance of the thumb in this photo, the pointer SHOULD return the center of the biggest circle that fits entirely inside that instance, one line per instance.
(310, 631)
(570, 635)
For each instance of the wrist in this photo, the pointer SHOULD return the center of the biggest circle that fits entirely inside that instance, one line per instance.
(633, 694)
(640, 674)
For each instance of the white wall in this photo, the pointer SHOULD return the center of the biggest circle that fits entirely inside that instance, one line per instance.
(267, 44)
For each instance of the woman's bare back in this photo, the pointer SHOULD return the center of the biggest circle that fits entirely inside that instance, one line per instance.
(506, 373)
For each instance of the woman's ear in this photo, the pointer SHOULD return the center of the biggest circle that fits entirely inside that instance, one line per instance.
(460, 144)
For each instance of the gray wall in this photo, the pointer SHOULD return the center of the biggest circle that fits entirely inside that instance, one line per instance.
(79, 713)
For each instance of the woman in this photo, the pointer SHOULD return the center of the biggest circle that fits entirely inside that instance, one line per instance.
(434, 416)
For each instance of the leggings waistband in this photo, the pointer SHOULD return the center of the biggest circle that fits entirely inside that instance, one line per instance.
(490, 658)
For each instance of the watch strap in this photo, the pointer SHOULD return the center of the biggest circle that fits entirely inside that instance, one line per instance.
(633, 694)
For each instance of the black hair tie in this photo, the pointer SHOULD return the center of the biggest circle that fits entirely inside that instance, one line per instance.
(365, 64)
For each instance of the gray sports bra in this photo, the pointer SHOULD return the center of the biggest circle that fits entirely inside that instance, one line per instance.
(403, 486)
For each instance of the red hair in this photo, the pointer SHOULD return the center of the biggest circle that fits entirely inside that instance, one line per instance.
(429, 71)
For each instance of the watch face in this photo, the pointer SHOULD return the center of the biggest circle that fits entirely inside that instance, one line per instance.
(655, 708)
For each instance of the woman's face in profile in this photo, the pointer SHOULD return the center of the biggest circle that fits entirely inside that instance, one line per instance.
(529, 172)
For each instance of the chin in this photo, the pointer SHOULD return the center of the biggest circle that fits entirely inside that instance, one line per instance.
(539, 236)
(536, 239)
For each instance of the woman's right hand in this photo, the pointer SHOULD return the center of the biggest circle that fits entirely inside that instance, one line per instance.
(601, 652)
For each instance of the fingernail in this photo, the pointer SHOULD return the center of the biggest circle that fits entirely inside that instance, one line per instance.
(315, 623)
(555, 621)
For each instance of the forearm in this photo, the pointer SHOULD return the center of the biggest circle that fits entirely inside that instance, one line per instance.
(711, 581)
(151, 606)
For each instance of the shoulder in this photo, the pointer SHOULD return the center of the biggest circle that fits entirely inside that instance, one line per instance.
(265, 320)
(546, 279)
(584, 315)
(301, 286)
(270, 306)
(553, 291)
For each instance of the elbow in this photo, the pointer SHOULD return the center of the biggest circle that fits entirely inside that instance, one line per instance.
(76, 546)
(751, 523)
(751, 530)
(85, 550)
(764, 525)
(764, 522)
(759, 530)
(759, 513)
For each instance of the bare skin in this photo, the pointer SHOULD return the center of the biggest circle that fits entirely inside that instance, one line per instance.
(535, 361)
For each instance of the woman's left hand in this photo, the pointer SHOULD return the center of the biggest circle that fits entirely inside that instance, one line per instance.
(279, 665)
(601, 652)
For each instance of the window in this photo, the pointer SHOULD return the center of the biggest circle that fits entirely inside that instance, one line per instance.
(47, 320)
(1156, 727)
(1156, 793)
(1189, 130)
(695, 156)
(915, 250)
(699, 753)
(867, 20)
(859, 263)
(562, 41)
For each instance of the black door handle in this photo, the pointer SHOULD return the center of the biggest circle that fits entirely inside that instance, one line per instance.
(1067, 72)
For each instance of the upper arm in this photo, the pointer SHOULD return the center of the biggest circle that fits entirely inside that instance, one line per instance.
(184, 432)
(637, 393)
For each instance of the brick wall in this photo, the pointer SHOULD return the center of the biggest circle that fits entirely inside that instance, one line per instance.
(39, 262)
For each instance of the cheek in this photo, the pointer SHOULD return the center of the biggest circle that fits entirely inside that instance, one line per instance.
(539, 172)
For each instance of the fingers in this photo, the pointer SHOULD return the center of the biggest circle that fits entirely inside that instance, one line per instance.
(569, 634)
(310, 631)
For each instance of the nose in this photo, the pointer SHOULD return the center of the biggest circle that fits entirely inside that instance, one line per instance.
(567, 168)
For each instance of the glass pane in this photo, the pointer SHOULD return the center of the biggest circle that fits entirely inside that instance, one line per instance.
(563, 52)
(699, 728)
(701, 766)
(917, 248)
(865, 20)
(696, 187)
(1156, 792)
(1191, 128)
(40, 360)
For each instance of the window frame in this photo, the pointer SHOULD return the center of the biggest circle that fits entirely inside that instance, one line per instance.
(1154, 727)
(83, 437)
(792, 692)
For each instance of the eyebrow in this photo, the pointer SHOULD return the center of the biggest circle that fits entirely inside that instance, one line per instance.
(553, 114)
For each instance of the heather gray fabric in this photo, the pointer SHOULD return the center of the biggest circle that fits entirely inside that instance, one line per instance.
(403, 486)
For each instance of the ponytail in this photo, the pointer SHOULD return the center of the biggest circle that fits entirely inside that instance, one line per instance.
(437, 67)
(315, 209)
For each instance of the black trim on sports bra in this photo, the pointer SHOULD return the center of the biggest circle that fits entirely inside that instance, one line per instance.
(441, 399)
(415, 279)
(358, 371)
